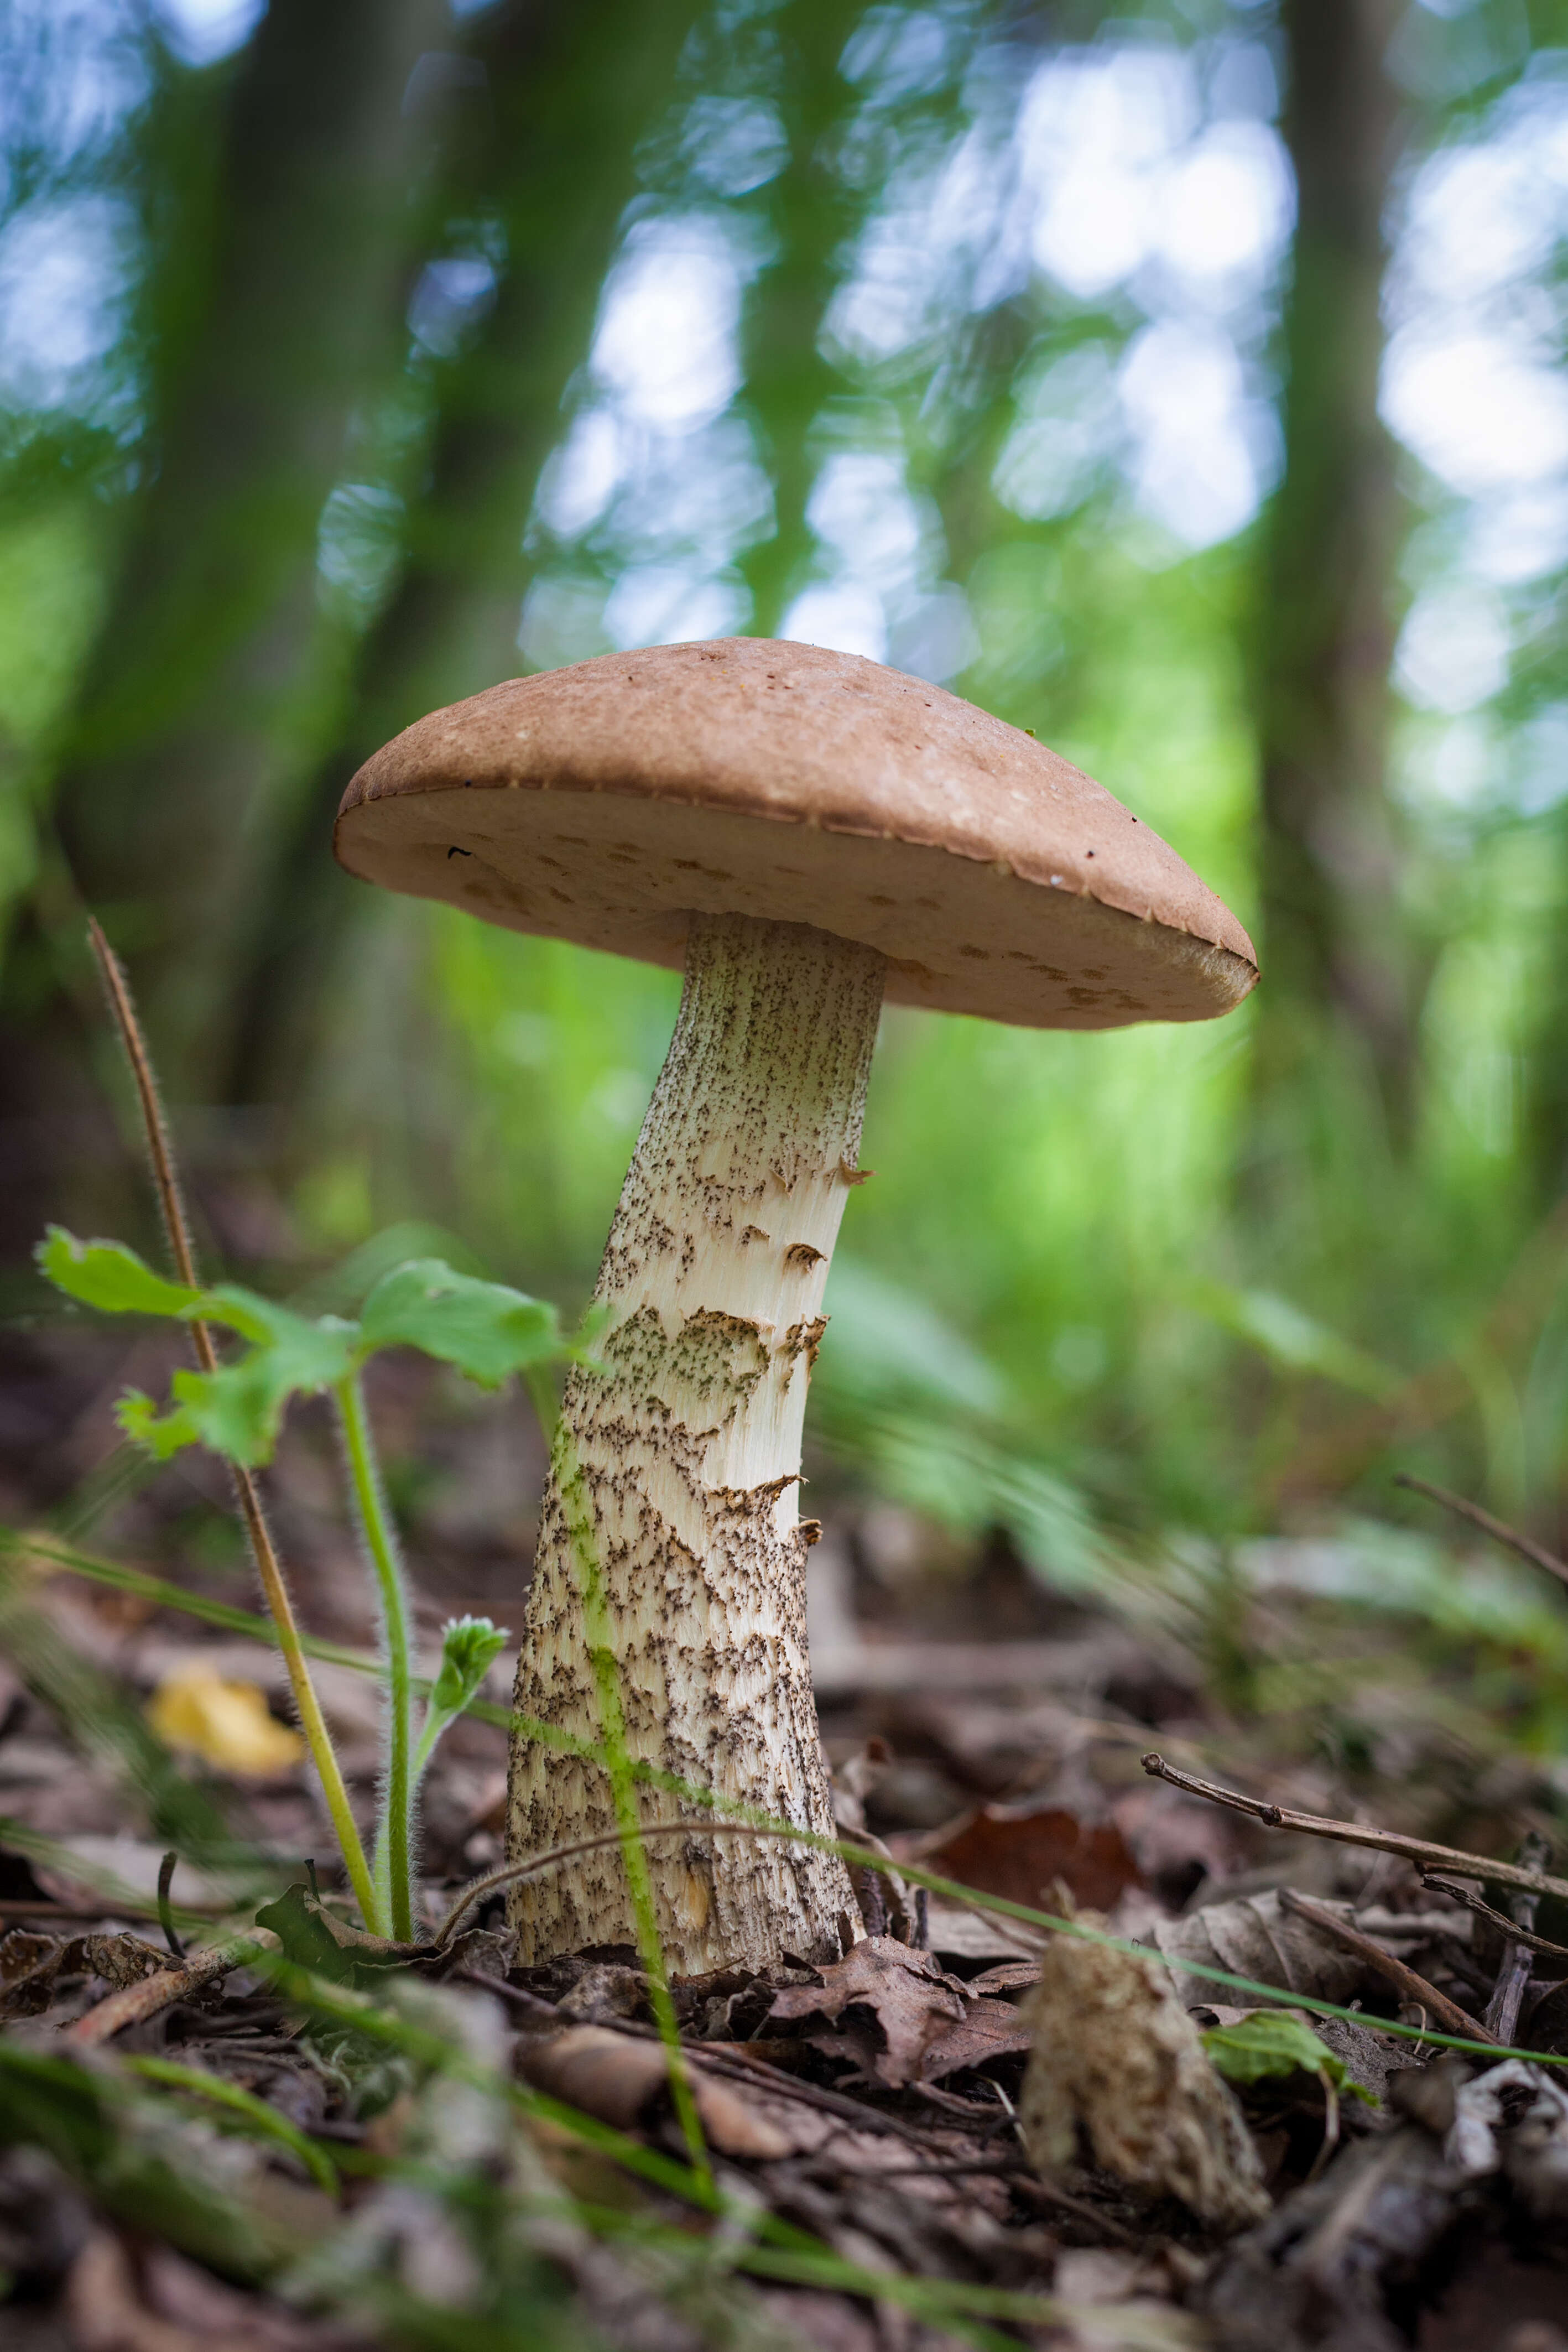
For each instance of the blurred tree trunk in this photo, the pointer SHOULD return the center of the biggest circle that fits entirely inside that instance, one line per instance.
(788, 381)
(1335, 956)
(1546, 1060)
(570, 94)
(213, 648)
(194, 799)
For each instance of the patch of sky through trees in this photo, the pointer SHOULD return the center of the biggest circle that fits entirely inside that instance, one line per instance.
(1133, 195)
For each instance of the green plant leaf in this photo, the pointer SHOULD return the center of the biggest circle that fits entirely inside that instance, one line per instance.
(238, 1410)
(1272, 2042)
(108, 1275)
(161, 1434)
(469, 1648)
(484, 1328)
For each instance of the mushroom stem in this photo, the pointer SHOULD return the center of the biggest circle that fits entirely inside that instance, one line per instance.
(684, 1453)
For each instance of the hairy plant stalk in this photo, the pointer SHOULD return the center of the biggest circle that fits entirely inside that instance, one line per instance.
(675, 1468)
(247, 1494)
(393, 1886)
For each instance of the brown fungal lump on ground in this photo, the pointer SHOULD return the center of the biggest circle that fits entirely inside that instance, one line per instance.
(805, 835)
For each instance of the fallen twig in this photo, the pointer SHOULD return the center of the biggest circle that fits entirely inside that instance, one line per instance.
(1447, 2013)
(1513, 1976)
(136, 2003)
(1420, 1851)
(1499, 1919)
(1500, 1531)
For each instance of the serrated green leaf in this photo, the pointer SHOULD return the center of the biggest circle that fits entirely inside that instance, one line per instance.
(484, 1328)
(238, 1410)
(110, 1277)
(161, 1434)
(1272, 2042)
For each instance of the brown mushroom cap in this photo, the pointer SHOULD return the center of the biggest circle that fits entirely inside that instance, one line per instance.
(607, 801)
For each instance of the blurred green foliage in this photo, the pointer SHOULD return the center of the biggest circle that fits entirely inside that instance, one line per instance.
(767, 315)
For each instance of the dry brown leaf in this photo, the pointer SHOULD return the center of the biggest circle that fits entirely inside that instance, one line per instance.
(1116, 2057)
(1018, 1852)
(29, 1963)
(163, 2303)
(619, 2079)
(892, 2002)
(120, 1961)
(988, 2028)
(1009, 1976)
(1256, 1937)
(957, 1933)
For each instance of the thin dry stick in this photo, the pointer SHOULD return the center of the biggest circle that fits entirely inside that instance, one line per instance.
(1420, 1851)
(1499, 1919)
(1513, 1976)
(1500, 1531)
(246, 1493)
(1448, 2013)
(136, 2003)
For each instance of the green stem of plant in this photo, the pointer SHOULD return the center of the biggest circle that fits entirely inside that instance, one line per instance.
(435, 1725)
(312, 1723)
(375, 1526)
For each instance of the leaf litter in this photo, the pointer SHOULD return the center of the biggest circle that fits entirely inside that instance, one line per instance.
(942, 2114)
(973, 2128)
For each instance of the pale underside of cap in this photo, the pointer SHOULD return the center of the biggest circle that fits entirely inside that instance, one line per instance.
(607, 802)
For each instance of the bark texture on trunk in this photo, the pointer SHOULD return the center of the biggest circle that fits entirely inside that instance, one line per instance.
(683, 1457)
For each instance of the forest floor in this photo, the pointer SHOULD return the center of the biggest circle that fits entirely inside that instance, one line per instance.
(969, 2129)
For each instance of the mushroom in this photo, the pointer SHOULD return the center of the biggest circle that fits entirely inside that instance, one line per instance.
(807, 835)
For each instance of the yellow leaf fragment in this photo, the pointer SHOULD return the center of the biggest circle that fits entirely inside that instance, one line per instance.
(225, 1724)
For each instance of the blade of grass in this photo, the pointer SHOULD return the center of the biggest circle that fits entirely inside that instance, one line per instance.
(164, 1595)
(618, 1764)
(264, 2121)
(247, 1494)
(394, 1881)
(255, 1627)
(119, 1899)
